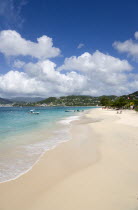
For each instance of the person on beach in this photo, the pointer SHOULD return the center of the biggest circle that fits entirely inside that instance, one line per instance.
(119, 111)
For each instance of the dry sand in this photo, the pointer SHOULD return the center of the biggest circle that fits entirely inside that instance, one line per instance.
(96, 170)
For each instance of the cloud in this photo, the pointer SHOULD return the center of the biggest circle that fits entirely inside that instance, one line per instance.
(136, 35)
(12, 44)
(41, 79)
(10, 12)
(129, 46)
(16, 83)
(80, 45)
(55, 82)
(105, 74)
(96, 62)
(89, 74)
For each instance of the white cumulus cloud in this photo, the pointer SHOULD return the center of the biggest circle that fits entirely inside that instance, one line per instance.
(88, 74)
(96, 62)
(41, 79)
(12, 44)
(16, 83)
(129, 46)
(105, 73)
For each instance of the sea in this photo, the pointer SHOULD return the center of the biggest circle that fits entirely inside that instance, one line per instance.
(25, 137)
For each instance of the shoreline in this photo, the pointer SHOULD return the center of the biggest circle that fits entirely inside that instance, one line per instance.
(57, 126)
(97, 163)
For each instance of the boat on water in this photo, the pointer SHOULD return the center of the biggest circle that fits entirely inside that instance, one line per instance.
(69, 110)
(32, 111)
(35, 112)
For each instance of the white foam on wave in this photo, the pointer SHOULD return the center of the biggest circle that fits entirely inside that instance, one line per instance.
(68, 120)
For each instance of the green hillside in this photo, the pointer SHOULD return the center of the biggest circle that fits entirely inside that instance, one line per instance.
(71, 101)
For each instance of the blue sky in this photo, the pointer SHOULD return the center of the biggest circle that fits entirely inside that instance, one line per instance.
(92, 25)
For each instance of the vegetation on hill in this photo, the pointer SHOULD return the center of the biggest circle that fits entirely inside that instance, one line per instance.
(125, 101)
(72, 101)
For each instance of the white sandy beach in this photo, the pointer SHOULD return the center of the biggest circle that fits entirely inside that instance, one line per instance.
(96, 170)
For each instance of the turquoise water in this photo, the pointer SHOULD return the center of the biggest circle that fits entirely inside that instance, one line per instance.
(24, 137)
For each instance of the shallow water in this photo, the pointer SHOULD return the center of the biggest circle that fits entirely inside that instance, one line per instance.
(25, 137)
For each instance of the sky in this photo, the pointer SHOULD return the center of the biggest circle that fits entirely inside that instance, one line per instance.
(65, 47)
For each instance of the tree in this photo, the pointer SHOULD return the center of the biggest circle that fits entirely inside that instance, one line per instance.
(120, 102)
(105, 101)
